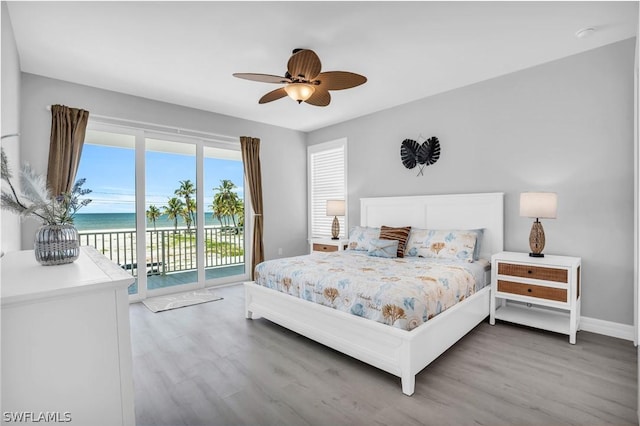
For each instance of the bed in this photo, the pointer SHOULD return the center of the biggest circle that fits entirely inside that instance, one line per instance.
(401, 352)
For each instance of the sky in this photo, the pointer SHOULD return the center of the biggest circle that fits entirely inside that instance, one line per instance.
(110, 174)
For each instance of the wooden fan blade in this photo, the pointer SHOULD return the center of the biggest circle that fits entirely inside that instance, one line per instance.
(339, 80)
(304, 64)
(263, 78)
(320, 97)
(274, 95)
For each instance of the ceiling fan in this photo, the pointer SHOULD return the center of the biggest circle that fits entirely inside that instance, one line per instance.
(303, 80)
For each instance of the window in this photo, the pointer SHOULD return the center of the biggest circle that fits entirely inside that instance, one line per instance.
(167, 208)
(327, 175)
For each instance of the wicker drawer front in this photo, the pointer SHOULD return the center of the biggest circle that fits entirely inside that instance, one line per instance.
(323, 247)
(538, 291)
(536, 272)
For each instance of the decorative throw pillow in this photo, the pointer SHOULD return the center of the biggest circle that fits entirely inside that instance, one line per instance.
(443, 244)
(360, 237)
(399, 234)
(383, 248)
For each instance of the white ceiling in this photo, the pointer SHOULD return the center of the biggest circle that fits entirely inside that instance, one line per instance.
(185, 52)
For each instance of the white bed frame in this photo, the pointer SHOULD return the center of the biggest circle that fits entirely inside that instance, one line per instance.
(399, 352)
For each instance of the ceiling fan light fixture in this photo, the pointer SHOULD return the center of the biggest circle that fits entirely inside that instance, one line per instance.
(304, 81)
(299, 91)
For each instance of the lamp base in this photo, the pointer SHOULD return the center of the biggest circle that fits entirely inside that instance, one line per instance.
(335, 228)
(536, 239)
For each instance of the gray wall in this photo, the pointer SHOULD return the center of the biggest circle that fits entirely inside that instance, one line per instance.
(10, 120)
(283, 151)
(565, 126)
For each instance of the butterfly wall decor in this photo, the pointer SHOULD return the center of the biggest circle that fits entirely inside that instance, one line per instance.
(413, 153)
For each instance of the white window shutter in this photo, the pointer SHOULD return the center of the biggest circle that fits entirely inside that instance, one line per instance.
(327, 172)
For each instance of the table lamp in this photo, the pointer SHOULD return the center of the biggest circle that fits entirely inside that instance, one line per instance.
(335, 208)
(538, 205)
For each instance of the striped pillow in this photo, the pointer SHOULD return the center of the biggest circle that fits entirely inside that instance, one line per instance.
(400, 234)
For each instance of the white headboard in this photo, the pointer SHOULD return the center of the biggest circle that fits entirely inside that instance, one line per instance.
(451, 211)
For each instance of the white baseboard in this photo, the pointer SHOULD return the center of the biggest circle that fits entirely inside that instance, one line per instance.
(607, 328)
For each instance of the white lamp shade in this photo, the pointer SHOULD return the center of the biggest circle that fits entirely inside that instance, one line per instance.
(541, 205)
(335, 207)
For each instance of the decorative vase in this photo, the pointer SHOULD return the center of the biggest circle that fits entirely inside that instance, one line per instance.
(57, 244)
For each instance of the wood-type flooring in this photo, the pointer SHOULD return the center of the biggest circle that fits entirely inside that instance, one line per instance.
(208, 365)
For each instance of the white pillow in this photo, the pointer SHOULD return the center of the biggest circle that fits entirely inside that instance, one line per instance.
(360, 237)
(443, 244)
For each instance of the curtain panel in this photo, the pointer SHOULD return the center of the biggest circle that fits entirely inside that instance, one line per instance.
(250, 148)
(68, 129)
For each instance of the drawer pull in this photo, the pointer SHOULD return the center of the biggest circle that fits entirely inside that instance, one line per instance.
(529, 290)
(529, 271)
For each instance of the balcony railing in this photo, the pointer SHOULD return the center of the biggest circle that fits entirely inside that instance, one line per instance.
(167, 250)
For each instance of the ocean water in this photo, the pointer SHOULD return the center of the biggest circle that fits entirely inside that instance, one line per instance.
(100, 221)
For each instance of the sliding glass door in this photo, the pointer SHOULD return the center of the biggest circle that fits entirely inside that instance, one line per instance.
(169, 209)
(108, 223)
(224, 213)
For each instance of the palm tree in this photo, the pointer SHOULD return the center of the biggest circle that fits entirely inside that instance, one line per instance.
(225, 202)
(187, 212)
(173, 210)
(239, 211)
(186, 190)
(220, 212)
(153, 214)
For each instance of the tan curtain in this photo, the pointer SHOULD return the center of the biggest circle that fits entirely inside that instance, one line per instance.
(251, 158)
(68, 128)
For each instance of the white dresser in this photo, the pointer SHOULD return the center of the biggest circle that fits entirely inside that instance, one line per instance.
(66, 345)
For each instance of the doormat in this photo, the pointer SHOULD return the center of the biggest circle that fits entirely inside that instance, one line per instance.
(179, 300)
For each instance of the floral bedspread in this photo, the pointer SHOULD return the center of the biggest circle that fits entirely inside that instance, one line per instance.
(400, 292)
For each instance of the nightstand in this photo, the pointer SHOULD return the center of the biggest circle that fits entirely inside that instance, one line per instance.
(327, 244)
(540, 292)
